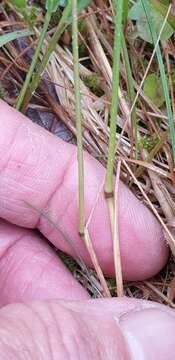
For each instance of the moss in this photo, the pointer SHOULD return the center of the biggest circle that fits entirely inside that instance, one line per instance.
(29, 13)
(112, 286)
(56, 16)
(82, 31)
(82, 26)
(93, 83)
(69, 262)
(82, 50)
(148, 142)
(2, 91)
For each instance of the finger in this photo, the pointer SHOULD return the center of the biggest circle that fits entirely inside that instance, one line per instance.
(40, 169)
(29, 269)
(70, 330)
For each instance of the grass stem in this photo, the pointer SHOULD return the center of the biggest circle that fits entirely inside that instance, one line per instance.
(78, 116)
(34, 61)
(65, 19)
(118, 5)
(82, 230)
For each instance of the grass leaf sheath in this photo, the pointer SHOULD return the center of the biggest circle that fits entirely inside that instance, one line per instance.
(118, 6)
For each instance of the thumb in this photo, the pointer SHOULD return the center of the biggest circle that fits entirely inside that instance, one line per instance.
(129, 329)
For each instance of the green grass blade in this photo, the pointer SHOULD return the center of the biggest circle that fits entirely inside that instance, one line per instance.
(125, 12)
(146, 8)
(78, 116)
(4, 39)
(65, 19)
(131, 92)
(34, 61)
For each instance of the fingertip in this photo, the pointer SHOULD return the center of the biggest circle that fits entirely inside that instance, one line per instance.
(149, 333)
(143, 248)
(145, 251)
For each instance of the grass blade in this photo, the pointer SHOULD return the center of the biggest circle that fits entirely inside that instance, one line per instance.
(146, 8)
(65, 19)
(78, 116)
(131, 93)
(4, 39)
(34, 61)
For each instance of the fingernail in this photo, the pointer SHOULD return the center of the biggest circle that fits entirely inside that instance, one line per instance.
(150, 333)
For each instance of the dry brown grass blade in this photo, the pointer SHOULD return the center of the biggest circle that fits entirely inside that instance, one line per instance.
(160, 294)
(171, 290)
(92, 254)
(150, 166)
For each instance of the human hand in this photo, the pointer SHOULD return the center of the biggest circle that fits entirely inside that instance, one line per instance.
(39, 169)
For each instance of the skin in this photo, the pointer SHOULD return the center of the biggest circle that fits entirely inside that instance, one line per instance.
(39, 169)
(45, 313)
